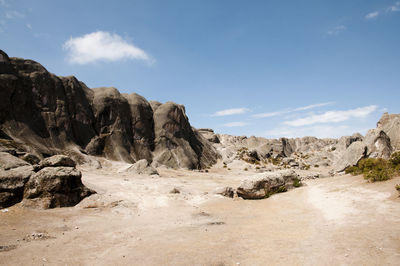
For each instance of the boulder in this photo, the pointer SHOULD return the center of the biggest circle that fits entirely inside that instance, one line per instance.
(55, 161)
(225, 191)
(55, 187)
(378, 144)
(390, 123)
(263, 185)
(12, 184)
(351, 156)
(142, 167)
(30, 158)
(8, 161)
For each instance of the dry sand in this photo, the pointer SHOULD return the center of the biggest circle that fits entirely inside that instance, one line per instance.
(135, 220)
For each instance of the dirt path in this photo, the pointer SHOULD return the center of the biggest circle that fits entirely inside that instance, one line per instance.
(135, 220)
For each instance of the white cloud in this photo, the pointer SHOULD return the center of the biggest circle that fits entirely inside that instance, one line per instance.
(234, 111)
(332, 116)
(235, 124)
(298, 109)
(3, 3)
(336, 30)
(372, 15)
(319, 131)
(29, 26)
(270, 114)
(14, 14)
(393, 8)
(102, 46)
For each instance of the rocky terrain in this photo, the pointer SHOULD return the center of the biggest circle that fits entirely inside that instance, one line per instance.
(160, 191)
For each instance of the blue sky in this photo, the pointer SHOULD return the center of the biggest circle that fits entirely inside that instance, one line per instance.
(264, 68)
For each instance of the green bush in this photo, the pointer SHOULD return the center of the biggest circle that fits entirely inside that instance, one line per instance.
(297, 183)
(281, 189)
(246, 169)
(373, 169)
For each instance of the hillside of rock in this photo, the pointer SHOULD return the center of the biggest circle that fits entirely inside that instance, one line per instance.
(45, 114)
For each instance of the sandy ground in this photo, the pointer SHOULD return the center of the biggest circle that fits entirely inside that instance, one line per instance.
(135, 220)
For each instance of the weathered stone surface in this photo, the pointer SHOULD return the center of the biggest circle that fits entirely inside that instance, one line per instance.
(30, 158)
(225, 191)
(55, 161)
(142, 126)
(263, 185)
(390, 123)
(142, 167)
(55, 187)
(176, 144)
(354, 153)
(7, 161)
(209, 134)
(12, 184)
(113, 123)
(378, 144)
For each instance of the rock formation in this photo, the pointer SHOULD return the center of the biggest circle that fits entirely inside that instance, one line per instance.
(44, 115)
(54, 182)
(263, 185)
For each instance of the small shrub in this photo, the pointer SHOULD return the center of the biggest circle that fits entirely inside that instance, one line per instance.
(281, 189)
(307, 167)
(258, 167)
(316, 165)
(229, 168)
(373, 169)
(246, 169)
(397, 187)
(225, 166)
(206, 170)
(297, 183)
(333, 148)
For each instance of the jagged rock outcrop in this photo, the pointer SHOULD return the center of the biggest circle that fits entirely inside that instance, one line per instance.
(378, 144)
(44, 111)
(354, 153)
(390, 124)
(263, 185)
(176, 144)
(142, 126)
(209, 134)
(113, 123)
(46, 115)
(12, 182)
(54, 182)
(142, 167)
(52, 187)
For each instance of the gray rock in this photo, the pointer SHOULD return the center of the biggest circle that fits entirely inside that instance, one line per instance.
(378, 144)
(354, 153)
(176, 144)
(12, 184)
(55, 161)
(142, 167)
(8, 161)
(55, 187)
(263, 185)
(390, 123)
(225, 191)
(142, 126)
(30, 158)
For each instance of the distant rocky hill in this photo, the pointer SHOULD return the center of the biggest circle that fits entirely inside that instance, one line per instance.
(44, 114)
(309, 152)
